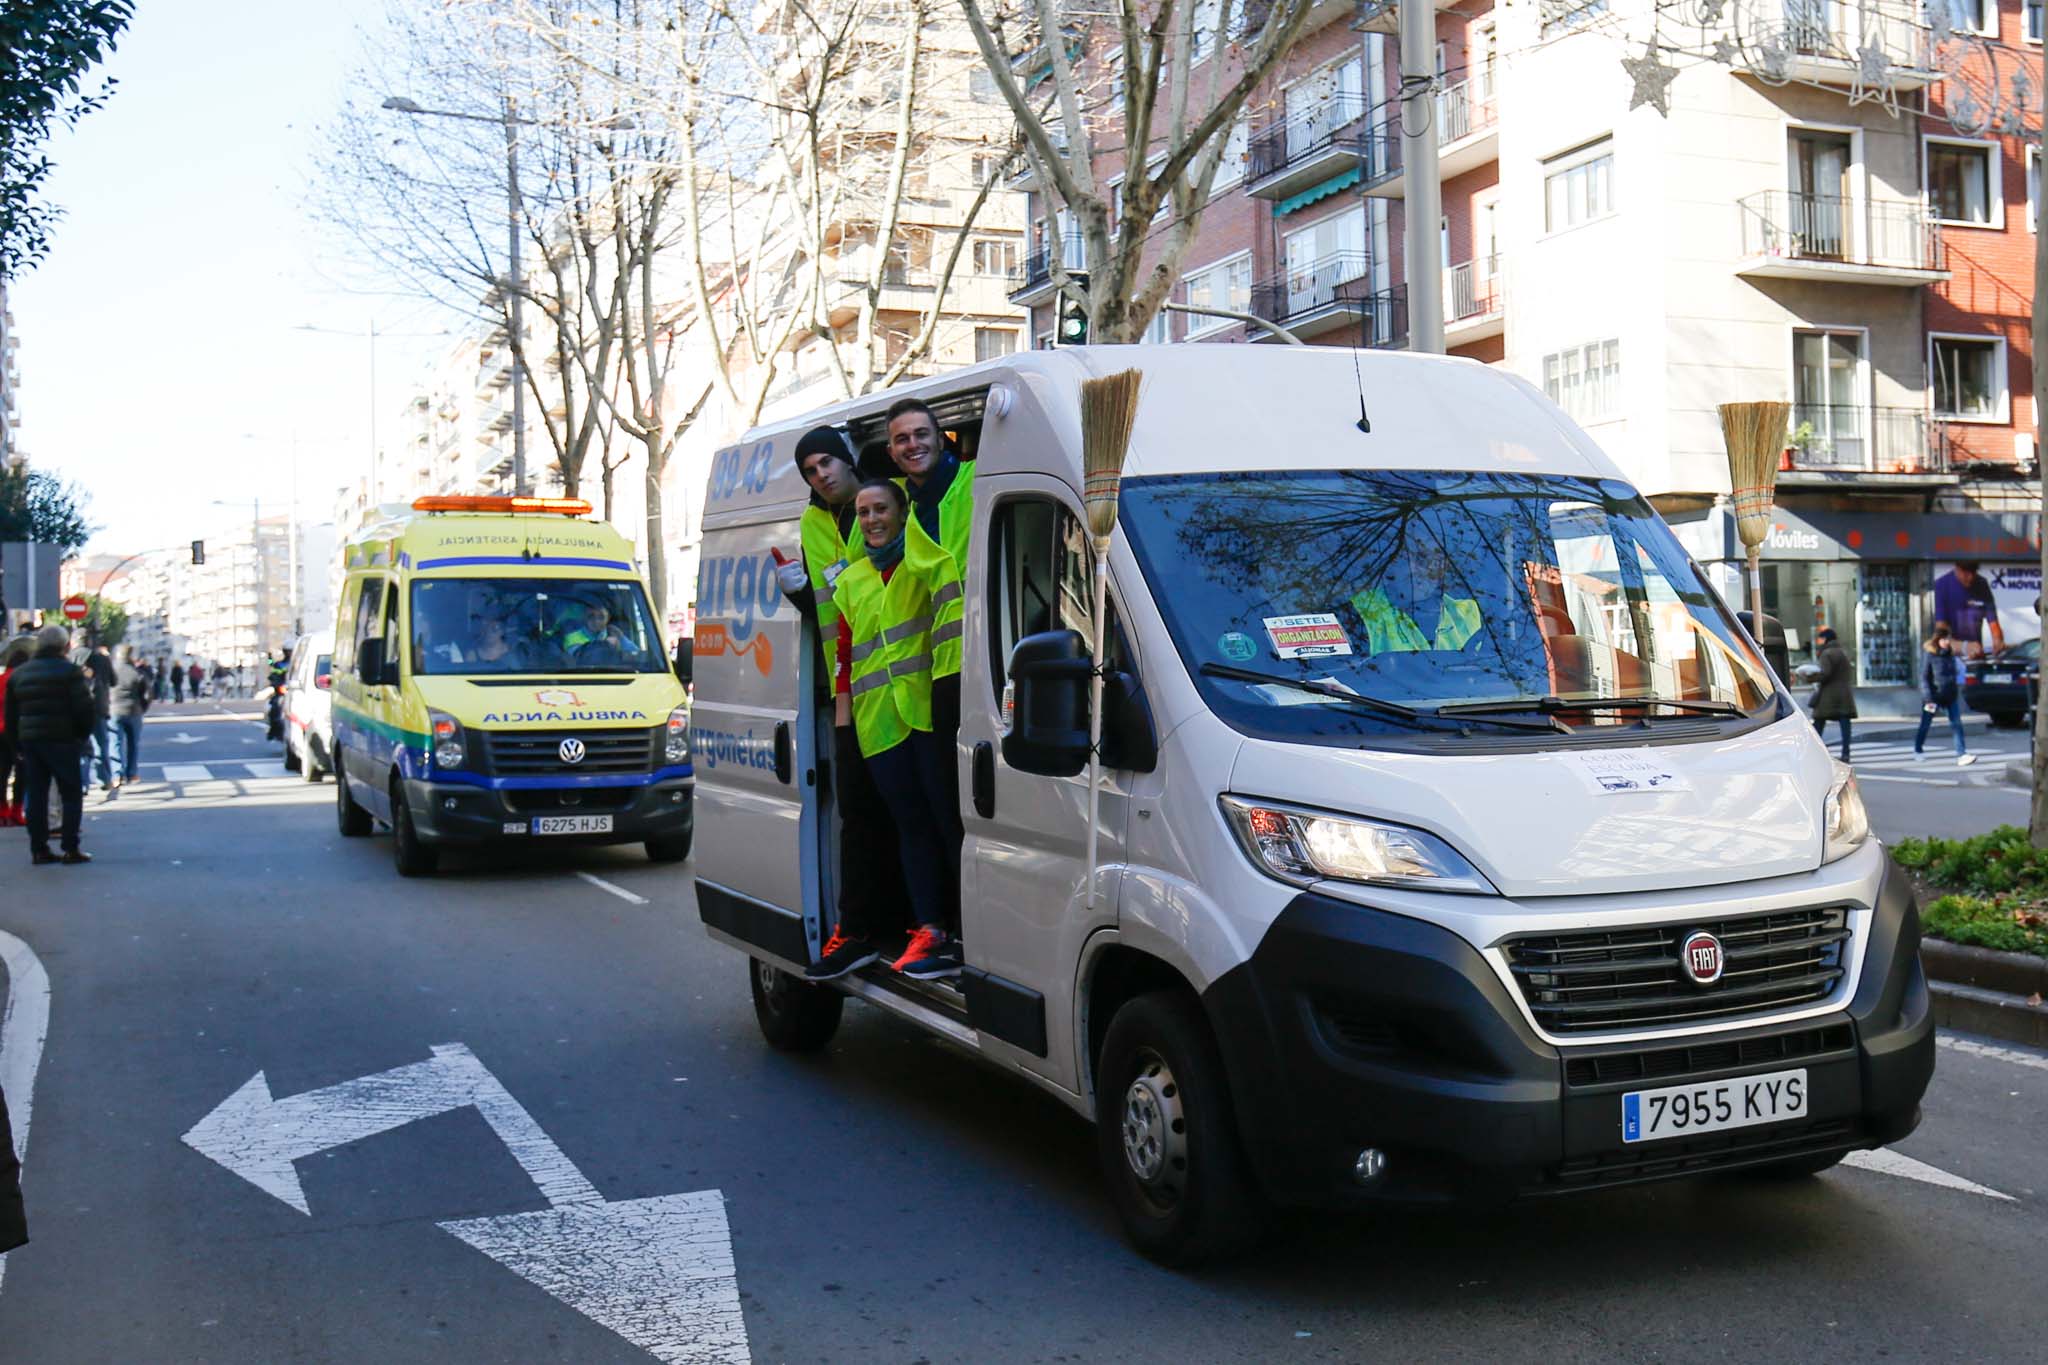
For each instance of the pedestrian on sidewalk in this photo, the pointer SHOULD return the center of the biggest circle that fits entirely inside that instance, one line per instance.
(195, 676)
(130, 701)
(49, 714)
(13, 654)
(99, 675)
(177, 681)
(1939, 692)
(1835, 698)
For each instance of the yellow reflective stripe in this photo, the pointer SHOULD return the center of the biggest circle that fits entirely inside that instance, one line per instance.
(950, 631)
(908, 630)
(822, 596)
(948, 593)
(879, 678)
(863, 649)
(903, 668)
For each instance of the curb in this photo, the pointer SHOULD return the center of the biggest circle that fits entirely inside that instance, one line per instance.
(1981, 991)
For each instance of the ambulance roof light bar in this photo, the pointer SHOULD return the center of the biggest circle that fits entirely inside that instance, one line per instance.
(470, 502)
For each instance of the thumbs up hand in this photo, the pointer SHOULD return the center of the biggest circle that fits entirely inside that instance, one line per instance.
(789, 573)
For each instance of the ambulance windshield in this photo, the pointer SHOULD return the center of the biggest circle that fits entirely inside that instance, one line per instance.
(533, 625)
(1441, 602)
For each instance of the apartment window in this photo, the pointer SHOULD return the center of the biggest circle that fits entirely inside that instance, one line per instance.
(986, 164)
(1562, 16)
(981, 86)
(1973, 16)
(1585, 380)
(1230, 170)
(1204, 17)
(2032, 10)
(1578, 186)
(995, 256)
(1226, 284)
(1962, 181)
(1969, 378)
(991, 342)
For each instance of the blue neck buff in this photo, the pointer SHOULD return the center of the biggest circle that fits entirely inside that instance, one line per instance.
(886, 557)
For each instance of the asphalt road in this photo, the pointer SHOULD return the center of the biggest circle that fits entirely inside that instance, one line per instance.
(890, 1200)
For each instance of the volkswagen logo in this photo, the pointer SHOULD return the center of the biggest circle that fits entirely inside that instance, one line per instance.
(572, 752)
(1700, 957)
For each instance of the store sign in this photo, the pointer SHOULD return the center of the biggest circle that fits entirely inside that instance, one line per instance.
(1987, 536)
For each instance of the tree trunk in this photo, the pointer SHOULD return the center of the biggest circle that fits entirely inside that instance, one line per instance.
(657, 544)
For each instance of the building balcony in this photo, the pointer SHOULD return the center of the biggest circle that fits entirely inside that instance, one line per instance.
(495, 372)
(1864, 46)
(1023, 178)
(1787, 236)
(1382, 16)
(1475, 303)
(1835, 441)
(1467, 125)
(1292, 155)
(1322, 297)
(1032, 282)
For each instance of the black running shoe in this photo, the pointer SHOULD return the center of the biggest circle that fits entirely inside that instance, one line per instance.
(931, 955)
(842, 955)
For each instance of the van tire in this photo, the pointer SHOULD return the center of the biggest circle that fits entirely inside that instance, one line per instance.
(309, 766)
(671, 848)
(414, 856)
(291, 756)
(1198, 1201)
(794, 1015)
(352, 819)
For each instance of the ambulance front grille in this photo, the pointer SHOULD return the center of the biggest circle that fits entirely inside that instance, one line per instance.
(535, 753)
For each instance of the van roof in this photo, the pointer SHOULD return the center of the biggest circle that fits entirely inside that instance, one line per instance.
(481, 543)
(1208, 408)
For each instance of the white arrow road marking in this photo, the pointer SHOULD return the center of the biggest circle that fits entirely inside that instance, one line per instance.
(180, 738)
(22, 1030)
(659, 1272)
(1887, 1162)
(2003, 1054)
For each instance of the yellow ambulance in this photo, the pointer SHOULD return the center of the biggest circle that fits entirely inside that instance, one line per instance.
(499, 675)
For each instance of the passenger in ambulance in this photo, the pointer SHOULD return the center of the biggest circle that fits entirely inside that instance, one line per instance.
(871, 890)
(884, 689)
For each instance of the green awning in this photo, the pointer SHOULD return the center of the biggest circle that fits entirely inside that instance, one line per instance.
(1342, 181)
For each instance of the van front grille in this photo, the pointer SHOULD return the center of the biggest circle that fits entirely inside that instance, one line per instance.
(538, 753)
(1630, 978)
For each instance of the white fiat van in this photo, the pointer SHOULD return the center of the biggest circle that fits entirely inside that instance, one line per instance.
(1456, 842)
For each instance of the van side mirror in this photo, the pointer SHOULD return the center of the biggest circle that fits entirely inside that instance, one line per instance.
(686, 661)
(1049, 725)
(371, 665)
(1771, 639)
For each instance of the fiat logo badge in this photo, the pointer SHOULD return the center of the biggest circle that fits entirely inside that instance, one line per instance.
(572, 752)
(1701, 958)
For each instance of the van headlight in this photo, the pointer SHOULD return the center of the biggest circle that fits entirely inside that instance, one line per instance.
(1302, 846)
(1844, 823)
(449, 750)
(675, 744)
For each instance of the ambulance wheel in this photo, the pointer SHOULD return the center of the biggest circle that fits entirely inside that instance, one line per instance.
(672, 848)
(353, 819)
(413, 855)
(794, 1015)
(1167, 1137)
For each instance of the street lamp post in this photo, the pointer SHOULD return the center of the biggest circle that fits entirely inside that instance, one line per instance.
(513, 283)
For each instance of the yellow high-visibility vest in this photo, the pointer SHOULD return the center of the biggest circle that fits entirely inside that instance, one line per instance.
(891, 626)
(1389, 630)
(827, 555)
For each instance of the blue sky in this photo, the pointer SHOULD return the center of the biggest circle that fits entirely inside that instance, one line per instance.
(160, 334)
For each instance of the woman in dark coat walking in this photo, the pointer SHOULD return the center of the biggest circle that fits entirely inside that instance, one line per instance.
(1835, 700)
(1940, 691)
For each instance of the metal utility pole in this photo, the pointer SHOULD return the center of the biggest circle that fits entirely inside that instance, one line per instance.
(374, 459)
(1420, 243)
(513, 278)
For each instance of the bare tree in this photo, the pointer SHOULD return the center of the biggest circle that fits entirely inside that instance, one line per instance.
(1170, 135)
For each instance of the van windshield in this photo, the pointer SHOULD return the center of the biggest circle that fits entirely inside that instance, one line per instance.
(1441, 602)
(533, 625)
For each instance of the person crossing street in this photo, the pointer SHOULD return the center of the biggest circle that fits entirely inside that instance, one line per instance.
(50, 713)
(129, 700)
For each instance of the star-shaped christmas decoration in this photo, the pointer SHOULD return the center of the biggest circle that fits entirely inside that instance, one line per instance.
(1652, 80)
(1874, 78)
(1725, 50)
(1709, 12)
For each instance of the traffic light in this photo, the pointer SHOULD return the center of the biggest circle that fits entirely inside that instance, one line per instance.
(1072, 329)
(198, 552)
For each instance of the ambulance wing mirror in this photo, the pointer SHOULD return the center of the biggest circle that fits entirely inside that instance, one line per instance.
(1049, 724)
(371, 665)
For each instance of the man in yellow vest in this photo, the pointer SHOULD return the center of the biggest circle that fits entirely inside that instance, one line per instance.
(871, 892)
(941, 490)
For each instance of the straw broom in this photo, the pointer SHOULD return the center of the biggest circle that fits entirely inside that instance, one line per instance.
(1755, 436)
(1109, 407)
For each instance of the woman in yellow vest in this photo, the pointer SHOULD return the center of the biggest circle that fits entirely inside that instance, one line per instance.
(884, 686)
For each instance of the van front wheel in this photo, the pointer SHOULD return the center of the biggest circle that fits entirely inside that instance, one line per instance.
(1168, 1139)
(794, 1015)
(414, 856)
(353, 820)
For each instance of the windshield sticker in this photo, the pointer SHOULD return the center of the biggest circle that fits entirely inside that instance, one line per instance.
(1613, 772)
(1314, 636)
(1237, 646)
(1294, 696)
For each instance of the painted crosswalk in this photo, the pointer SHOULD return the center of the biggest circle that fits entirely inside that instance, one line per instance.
(1893, 760)
(214, 772)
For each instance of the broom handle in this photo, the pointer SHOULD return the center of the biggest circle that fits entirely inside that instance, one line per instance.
(1756, 592)
(1095, 714)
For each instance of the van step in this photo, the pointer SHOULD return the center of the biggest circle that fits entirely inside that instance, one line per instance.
(938, 1005)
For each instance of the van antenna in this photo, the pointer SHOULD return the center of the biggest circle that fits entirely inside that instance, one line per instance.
(1364, 422)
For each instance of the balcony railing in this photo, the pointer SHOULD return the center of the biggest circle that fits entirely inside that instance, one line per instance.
(1463, 109)
(1307, 135)
(1472, 289)
(1308, 289)
(1829, 228)
(1848, 34)
(1842, 437)
(1036, 270)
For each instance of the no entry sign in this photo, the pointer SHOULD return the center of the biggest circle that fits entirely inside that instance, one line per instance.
(75, 607)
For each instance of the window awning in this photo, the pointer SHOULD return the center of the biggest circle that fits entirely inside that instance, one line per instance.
(1341, 181)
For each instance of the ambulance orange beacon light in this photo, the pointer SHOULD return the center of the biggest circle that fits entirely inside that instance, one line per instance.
(478, 502)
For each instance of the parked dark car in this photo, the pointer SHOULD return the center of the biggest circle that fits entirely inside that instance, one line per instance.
(2004, 685)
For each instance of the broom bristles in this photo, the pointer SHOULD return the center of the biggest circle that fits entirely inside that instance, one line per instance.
(1109, 409)
(1755, 436)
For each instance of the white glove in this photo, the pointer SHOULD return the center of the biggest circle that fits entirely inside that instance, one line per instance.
(792, 577)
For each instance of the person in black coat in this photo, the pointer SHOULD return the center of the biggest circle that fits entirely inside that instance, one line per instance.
(50, 711)
(99, 675)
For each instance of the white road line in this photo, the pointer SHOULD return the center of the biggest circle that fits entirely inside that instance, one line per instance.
(1885, 1161)
(187, 772)
(1862, 776)
(22, 1031)
(2003, 1054)
(621, 892)
(273, 767)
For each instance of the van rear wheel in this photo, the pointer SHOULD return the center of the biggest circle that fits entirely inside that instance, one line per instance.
(1167, 1136)
(794, 1015)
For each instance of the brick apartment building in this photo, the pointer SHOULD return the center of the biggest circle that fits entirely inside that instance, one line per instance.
(1779, 233)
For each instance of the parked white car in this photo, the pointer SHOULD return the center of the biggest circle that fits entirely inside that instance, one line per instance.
(308, 728)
